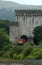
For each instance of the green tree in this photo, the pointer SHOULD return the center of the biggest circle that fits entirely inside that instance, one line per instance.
(4, 39)
(37, 34)
(5, 24)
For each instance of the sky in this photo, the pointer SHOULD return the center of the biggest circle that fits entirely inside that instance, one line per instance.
(27, 2)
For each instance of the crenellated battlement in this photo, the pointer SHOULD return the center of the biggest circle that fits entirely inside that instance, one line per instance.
(28, 12)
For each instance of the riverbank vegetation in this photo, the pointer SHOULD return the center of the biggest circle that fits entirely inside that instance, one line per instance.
(17, 52)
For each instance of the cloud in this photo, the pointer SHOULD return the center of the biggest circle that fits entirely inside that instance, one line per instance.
(28, 2)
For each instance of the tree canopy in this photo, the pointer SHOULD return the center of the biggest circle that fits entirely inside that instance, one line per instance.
(4, 39)
(37, 34)
(5, 24)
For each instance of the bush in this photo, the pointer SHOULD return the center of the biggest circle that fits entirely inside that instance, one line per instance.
(36, 54)
(6, 54)
(28, 44)
(1, 53)
(14, 56)
(27, 51)
(17, 49)
(40, 44)
(20, 56)
(4, 39)
(24, 53)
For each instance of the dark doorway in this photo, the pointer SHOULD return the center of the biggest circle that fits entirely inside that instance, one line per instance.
(24, 37)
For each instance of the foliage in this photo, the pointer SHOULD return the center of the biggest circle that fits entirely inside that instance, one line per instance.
(36, 54)
(14, 56)
(40, 44)
(6, 54)
(5, 24)
(4, 39)
(20, 56)
(37, 34)
(24, 53)
(27, 51)
(28, 44)
(17, 49)
(21, 53)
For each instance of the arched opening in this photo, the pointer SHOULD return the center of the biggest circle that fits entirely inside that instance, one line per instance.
(24, 37)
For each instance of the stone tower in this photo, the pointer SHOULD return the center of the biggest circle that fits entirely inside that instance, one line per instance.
(13, 31)
(27, 20)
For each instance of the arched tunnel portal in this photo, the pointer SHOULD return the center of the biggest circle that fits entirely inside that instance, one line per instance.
(24, 37)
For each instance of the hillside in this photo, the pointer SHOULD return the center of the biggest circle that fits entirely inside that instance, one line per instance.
(8, 4)
(7, 9)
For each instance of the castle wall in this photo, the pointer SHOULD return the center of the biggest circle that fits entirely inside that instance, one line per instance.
(28, 21)
(13, 32)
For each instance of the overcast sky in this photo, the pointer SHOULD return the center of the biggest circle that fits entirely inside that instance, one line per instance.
(27, 2)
